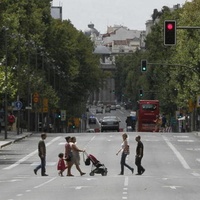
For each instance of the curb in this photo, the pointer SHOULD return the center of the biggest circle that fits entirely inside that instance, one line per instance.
(6, 144)
(15, 140)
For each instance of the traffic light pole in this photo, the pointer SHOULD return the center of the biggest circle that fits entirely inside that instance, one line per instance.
(188, 27)
(179, 65)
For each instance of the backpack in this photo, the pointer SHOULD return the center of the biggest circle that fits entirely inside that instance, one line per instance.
(11, 119)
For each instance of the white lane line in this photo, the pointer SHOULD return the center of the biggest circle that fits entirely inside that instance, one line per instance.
(29, 155)
(185, 140)
(89, 142)
(38, 186)
(124, 193)
(181, 136)
(173, 187)
(177, 153)
(195, 174)
(126, 181)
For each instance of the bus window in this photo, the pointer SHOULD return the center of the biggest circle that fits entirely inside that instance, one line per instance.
(149, 107)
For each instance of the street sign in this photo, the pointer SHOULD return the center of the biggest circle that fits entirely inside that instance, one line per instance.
(18, 105)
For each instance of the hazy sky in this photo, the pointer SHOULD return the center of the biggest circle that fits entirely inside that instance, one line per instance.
(102, 13)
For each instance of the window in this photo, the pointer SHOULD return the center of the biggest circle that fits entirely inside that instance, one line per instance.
(149, 107)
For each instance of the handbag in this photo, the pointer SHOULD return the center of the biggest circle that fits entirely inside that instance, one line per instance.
(127, 150)
(87, 161)
(69, 157)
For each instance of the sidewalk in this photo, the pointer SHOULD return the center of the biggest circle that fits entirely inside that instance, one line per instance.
(12, 137)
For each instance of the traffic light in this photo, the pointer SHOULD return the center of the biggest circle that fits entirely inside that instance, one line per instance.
(143, 65)
(169, 32)
(73, 126)
(141, 93)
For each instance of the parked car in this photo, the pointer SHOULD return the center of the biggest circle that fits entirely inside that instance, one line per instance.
(99, 109)
(118, 106)
(107, 109)
(90, 130)
(113, 107)
(110, 123)
(100, 105)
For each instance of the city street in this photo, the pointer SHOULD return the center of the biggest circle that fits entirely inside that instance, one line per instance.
(171, 160)
(105, 84)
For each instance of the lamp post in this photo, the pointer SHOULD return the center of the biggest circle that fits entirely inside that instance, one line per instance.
(6, 83)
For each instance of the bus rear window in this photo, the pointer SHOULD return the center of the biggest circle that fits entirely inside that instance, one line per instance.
(149, 107)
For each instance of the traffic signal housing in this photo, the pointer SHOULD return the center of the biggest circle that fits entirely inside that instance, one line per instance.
(169, 32)
(141, 93)
(143, 65)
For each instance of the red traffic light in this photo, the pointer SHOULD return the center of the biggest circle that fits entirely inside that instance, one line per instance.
(169, 32)
(170, 26)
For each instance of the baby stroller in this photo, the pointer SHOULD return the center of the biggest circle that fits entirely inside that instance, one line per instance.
(97, 166)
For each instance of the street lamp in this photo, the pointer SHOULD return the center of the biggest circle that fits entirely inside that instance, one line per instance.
(6, 83)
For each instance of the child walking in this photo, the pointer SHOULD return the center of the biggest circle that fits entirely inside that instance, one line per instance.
(61, 164)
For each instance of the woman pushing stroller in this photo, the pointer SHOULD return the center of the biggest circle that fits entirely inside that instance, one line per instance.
(75, 154)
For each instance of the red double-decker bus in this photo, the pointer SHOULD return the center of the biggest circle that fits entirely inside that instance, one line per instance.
(147, 112)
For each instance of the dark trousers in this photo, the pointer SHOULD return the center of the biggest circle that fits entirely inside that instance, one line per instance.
(138, 160)
(123, 163)
(42, 165)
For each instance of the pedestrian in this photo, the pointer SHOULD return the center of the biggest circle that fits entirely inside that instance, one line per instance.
(158, 122)
(68, 155)
(11, 121)
(125, 151)
(61, 164)
(42, 155)
(164, 121)
(139, 155)
(76, 155)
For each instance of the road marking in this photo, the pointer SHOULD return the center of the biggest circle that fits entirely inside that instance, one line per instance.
(126, 181)
(10, 181)
(177, 153)
(38, 186)
(185, 140)
(181, 136)
(173, 187)
(89, 142)
(19, 195)
(193, 149)
(62, 143)
(124, 193)
(195, 174)
(29, 155)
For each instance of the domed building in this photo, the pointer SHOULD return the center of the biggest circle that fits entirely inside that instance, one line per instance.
(92, 32)
(106, 93)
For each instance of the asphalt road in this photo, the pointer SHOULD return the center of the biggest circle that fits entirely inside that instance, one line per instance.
(120, 113)
(171, 160)
(172, 163)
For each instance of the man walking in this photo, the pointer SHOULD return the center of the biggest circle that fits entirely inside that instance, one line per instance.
(42, 155)
(139, 155)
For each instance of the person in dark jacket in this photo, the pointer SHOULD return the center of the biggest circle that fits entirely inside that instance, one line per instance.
(139, 155)
(42, 155)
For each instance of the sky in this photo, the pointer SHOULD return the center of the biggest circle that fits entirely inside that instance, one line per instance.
(102, 13)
